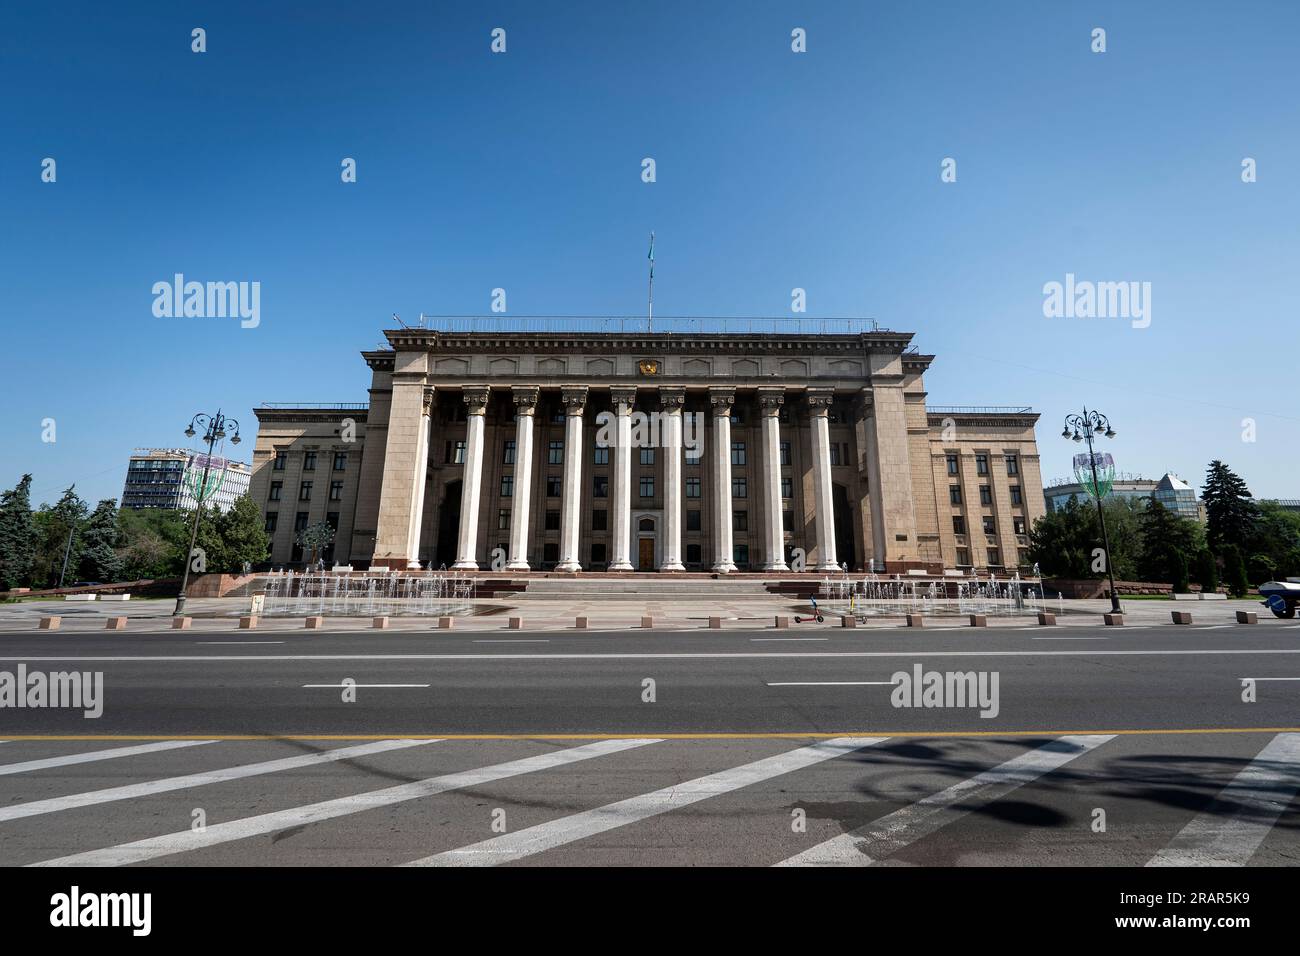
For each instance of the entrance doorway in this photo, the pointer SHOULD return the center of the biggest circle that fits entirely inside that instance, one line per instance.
(645, 554)
(845, 552)
(448, 526)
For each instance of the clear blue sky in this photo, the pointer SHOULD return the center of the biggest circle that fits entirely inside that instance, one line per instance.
(775, 171)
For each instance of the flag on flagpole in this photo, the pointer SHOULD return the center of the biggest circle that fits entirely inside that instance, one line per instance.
(651, 257)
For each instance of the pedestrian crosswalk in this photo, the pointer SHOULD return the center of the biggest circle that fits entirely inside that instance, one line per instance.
(1221, 800)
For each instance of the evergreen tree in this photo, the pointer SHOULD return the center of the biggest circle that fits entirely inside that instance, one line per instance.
(243, 531)
(99, 560)
(1064, 543)
(58, 541)
(1181, 583)
(1230, 514)
(1167, 538)
(17, 535)
(1207, 572)
(1234, 571)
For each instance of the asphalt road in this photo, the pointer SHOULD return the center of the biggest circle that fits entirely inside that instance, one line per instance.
(1108, 747)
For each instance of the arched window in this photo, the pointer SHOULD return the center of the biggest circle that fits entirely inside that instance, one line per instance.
(646, 524)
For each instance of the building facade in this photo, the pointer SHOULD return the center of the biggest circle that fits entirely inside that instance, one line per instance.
(1170, 490)
(599, 451)
(167, 477)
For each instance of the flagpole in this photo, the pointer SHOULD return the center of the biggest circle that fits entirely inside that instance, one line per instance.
(651, 303)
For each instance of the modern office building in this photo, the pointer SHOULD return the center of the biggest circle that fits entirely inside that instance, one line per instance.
(168, 477)
(537, 448)
(1170, 490)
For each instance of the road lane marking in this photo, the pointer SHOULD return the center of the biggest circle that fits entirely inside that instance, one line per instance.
(239, 642)
(891, 833)
(578, 826)
(1071, 638)
(1250, 805)
(1268, 678)
(367, 686)
(203, 778)
(511, 640)
(831, 683)
(95, 755)
(262, 824)
(759, 640)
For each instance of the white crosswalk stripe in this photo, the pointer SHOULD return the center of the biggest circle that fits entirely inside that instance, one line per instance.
(880, 838)
(92, 756)
(1257, 796)
(150, 787)
(548, 836)
(186, 840)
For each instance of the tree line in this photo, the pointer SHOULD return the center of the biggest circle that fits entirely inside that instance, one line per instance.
(1243, 543)
(71, 542)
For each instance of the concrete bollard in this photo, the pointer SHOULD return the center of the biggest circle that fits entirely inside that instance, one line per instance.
(848, 620)
(580, 623)
(181, 623)
(379, 622)
(1181, 617)
(248, 622)
(781, 621)
(1113, 620)
(516, 623)
(647, 622)
(50, 623)
(314, 623)
(915, 620)
(1046, 619)
(445, 623)
(115, 624)
(979, 620)
(1247, 617)
(715, 622)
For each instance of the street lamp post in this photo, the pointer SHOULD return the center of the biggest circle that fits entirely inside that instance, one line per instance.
(1084, 427)
(215, 430)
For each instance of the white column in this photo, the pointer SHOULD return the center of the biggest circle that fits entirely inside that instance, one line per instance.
(623, 397)
(422, 466)
(721, 400)
(574, 399)
(476, 398)
(770, 400)
(819, 402)
(672, 400)
(525, 407)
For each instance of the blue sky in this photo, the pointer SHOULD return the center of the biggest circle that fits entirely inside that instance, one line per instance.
(775, 170)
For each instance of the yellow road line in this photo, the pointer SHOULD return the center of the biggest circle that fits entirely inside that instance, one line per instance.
(792, 735)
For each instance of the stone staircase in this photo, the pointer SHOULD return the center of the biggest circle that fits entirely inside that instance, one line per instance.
(651, 587)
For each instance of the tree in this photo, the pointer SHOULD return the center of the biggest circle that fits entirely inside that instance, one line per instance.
(57, 539)
(99, 560)
(1234, 571)
(1067, 543)
(243, 529)
(17, 545)
(1230, 514)
(1180, 581)
(1167, 539)
(1274, 545)
(315, 538)
(151, 543)
(1207, 571)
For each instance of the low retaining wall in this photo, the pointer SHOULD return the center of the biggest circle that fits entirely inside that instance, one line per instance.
(1076, 588)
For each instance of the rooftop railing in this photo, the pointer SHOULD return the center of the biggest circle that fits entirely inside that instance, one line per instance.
(350, 406)
(640, 325)
(979, 409)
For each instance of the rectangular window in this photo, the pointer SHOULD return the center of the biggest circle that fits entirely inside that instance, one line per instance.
(693, 455)
(963, 556)
(952, 464)
(332, 519)
(981, 464)
(737, 415)
(737, 452)
(601, 457)
(552, 521)
(787, 488)
(835, 453)
(309, 461)
(336, 491)
(958, 524)
(787, 520)
(507, 452)
(990, 527)
(995, 558)
(1016, 497)
(275, 491)
(692, 487)
(692, 521)
(600, 520)
(300, 521)
(340, 460)
(503, 519)
(553, 486)
(280, 458)
(647, 486)
(647, 456)
(740, 521)
(598, 553)
(304, 491)
(555, 453)
(986, 495)
(269, 527)
(954, 494)
(693, 554)
(740, 555)
(507, 486)
(550, 552)
(1018, 525)
(785, 453)
(739, 488)
(1013, 465)
(600, 486)
(457, 455)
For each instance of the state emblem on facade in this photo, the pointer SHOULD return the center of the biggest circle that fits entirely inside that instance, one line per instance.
(648, 367)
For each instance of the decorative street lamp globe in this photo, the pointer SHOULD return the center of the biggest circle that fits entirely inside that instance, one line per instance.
(1085, 426)
(214, 430)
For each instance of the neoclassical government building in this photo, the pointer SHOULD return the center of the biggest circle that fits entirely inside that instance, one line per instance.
(635, 451)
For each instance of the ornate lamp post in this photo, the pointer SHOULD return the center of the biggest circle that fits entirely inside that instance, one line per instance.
(215, 431)
(1084, 426)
